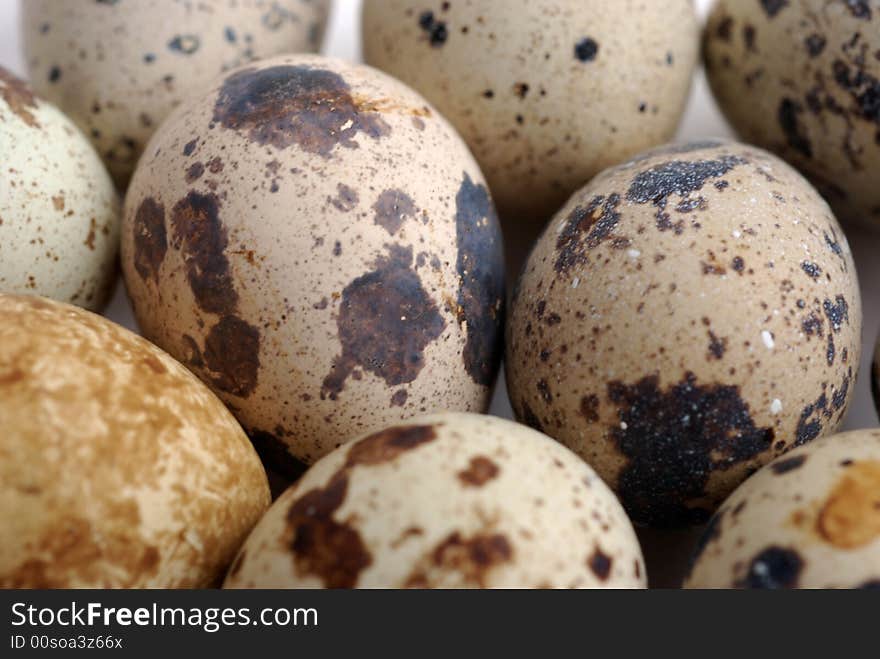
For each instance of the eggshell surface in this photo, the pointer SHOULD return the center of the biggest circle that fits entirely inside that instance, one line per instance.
(803, 80)
(317, 244)
(444, 501)
(684, 319)
(546, 94)
(118, 68)
(59, 211)
(810, 519)
(118, 468)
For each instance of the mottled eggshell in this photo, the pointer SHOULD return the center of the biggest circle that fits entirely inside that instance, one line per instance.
(318, 245)
(685, 318)
(803, 80)
(444, 501)
(118, 468)
(119, 68)
(59, 211)
(547, 94)
(810, 519)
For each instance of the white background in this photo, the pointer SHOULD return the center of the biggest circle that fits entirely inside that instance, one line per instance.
(664, 551)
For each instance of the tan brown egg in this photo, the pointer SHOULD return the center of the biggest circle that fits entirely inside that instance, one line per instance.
(546, 94)
(317, 244)
(684, 319)
(119, 68)
(59, 211)
(810, 519)
(119, 468)
(803, 80)
(444, 501)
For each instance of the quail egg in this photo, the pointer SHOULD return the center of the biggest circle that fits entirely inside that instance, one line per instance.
(444, 501)
(684, 319)
(810, 519)
(118, 468)
(316, 243)
(546, 94)
(803, 80)
(119, 68)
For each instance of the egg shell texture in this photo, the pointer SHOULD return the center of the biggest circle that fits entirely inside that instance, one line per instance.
(802, 79)
(118, 468)
(318, 245)
(59, 211)
(444, 501)
(546, 94)
(685, 318)
(119, 68)
(810, 519)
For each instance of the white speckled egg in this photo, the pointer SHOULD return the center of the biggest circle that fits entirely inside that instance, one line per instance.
(803, 80)
(546, 94)
(810, 519)
(118, 68)
(59, 211)
(318, 245)
(444, 501)
(684, 319)
(118, 468)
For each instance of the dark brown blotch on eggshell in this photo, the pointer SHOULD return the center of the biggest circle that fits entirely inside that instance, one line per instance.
(150, 240)
(479, 471)
(670, 460)
(480, 267)
(469, 559)
(286, 104)
(385, 321)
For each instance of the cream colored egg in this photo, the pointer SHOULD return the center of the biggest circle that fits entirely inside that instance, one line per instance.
(810, 519)
(318, 245)
(59, 211)
(803, 80)
(684, 319)
(119, 68)
(118, 468)
(546, 94)
(444, 501)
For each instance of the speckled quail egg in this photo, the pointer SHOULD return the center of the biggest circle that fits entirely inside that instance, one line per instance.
(317, 244)
(685, 318)
(118, 468)
(118, 68)
(810, 519)
(803, 80)
(444, 501)
(59, 211)
(546, 94)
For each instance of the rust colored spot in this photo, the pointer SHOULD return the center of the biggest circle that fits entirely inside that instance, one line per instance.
(386, 445)
(386, 320)
(18, 97)
(285, 105)
(150, 242)
(850, 517)
(201, 237)
(468, 560)
(480, 471)
(392, 208)
(600, 564)
(154, 364)
(13, 376)
(480, 268)
(232, 354)
(58, 202)
(321, 546)
(90, 238)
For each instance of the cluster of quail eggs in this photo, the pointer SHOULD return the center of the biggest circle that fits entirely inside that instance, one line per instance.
(313, 255)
